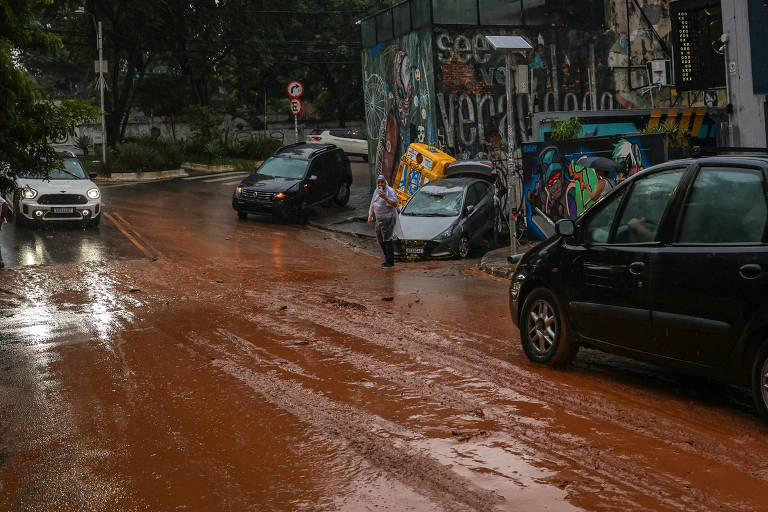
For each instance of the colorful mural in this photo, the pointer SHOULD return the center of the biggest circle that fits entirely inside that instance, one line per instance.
(559, 176)
(399, 88)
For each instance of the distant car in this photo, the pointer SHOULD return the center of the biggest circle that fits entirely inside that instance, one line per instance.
(446, 218)
(671, 268)
(353, 141)
(66, 195)
(293, 179)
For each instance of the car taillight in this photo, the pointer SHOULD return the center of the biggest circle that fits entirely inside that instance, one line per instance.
(316, 139)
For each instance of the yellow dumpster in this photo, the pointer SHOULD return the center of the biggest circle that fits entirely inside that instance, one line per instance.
(419, 165)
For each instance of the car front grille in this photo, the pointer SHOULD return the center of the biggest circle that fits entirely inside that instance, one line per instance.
(257, 195)
(62, 199)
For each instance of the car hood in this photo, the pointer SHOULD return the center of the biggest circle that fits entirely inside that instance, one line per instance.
(412, 227)
(57, 186)
(269, 183)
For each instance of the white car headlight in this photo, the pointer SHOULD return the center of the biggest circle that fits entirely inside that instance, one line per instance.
(29, 193)
(94, 193)
(445, 234)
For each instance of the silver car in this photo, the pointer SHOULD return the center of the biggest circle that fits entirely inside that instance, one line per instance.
(446, 218)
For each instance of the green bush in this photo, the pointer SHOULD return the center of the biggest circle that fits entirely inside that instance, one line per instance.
(568, 128)
(146, 154)
(255, 147)
(83, 143)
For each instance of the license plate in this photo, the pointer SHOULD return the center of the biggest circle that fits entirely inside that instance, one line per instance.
(63, 210)
(414, 250)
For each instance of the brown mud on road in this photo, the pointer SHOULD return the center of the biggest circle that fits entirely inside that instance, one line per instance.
(257, 366)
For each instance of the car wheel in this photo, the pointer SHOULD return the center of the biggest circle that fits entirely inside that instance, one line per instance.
(94, 222)
(462, 247)
(342, 195)
(760, 381)
(242, 215)
(542, 330)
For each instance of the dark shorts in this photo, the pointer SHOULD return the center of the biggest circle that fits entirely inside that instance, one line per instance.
(385, 229)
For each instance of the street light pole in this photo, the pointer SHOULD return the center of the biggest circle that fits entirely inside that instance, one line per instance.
(510, 45)
(101, 94)
(102, 82)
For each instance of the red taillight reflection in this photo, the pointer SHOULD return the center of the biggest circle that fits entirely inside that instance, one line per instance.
(316, 139)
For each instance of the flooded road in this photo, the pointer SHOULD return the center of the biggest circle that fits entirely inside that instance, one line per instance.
(216, 364)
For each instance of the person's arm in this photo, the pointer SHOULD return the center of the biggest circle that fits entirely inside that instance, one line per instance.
(595, 194)
(638, 226)
(370, 211)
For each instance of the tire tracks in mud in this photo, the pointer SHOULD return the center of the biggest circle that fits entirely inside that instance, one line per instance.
(597, 467)
(381, 442)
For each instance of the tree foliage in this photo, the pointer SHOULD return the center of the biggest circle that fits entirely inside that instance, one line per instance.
(29, 119)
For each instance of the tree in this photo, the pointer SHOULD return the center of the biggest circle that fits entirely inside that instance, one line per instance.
(164, 95)
(29, 119)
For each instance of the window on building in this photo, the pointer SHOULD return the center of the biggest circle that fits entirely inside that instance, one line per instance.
(384, 26)
(420, 13)
(501, 12)
(402, 13)
(454, 12)
(368, 28)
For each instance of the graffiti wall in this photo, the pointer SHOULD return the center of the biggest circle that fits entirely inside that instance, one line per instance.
(559, 176)
(399, 89)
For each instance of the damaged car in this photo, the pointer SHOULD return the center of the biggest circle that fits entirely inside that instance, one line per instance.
(449, 217)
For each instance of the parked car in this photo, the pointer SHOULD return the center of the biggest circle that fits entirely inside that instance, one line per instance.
(66, 195)
(353, 141)
(292, 180)
(670, 268)
(446, 218)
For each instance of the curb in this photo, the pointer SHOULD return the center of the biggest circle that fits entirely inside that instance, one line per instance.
(125, 177)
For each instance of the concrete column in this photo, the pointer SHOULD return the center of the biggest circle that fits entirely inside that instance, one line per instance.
(747, 123)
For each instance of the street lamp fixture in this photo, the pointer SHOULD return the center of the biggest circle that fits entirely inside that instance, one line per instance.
(510, 45)
(102, 83)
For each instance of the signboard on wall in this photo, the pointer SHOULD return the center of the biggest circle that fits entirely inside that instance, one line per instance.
(696, 29)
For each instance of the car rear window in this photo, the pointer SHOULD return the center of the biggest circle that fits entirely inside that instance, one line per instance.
(725, 206)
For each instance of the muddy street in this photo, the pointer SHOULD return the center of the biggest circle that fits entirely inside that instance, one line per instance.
(202, 362)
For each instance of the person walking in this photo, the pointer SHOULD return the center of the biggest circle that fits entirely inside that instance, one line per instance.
(384, 211)
(603, 186)
(3, 213)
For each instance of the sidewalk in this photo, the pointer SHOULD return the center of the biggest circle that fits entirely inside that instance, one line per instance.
(496, 262)
(351, 219)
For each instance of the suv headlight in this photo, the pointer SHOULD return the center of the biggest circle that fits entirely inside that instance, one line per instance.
(29, 193)
(94, 193)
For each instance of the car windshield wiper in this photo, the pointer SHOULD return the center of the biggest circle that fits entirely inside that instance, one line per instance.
(71, 174)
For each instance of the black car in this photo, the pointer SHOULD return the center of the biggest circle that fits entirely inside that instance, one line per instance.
(292, 180)
(446, 218)
(670, 268)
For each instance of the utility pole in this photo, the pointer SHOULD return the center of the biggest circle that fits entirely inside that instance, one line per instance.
(510, 45)
(101, 93)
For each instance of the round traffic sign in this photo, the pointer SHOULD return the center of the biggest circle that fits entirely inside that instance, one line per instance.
(295, 89)
(295, 106)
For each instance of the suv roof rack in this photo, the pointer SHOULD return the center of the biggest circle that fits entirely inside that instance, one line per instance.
(735, 149)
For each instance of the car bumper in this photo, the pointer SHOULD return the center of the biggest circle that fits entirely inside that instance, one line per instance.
(425, 249)
(278, 207)
(33, 211)
(515, 287)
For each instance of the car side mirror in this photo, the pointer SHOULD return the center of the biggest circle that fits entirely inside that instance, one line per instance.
(470, 209)
(565, 227)
(313, 177)
(92, 175)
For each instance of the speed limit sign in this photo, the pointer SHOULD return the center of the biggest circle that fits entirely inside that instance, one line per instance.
(295, 106)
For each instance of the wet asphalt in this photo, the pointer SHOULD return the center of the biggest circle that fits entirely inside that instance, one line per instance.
(177, 358)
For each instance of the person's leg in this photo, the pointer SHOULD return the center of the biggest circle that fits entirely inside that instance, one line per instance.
(380, 239)
(390, 252)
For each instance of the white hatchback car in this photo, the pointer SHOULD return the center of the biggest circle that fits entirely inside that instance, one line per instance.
(353, 141)
(67, 195)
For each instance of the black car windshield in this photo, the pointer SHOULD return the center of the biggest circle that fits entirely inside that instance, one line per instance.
(283, 168)
(435, 202)
(72, 170)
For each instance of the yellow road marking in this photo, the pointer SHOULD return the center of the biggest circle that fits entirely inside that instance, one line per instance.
(128, 235)
(136, 233)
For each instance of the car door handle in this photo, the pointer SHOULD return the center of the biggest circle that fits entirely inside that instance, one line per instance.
(636, 267)
(750, 271)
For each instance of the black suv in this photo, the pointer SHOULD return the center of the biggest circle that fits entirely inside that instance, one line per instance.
(295, 178)
(670, 268)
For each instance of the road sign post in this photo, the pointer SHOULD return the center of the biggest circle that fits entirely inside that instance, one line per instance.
(295, 89)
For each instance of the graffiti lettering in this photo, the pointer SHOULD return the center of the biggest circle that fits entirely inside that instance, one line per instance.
(463, 49)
